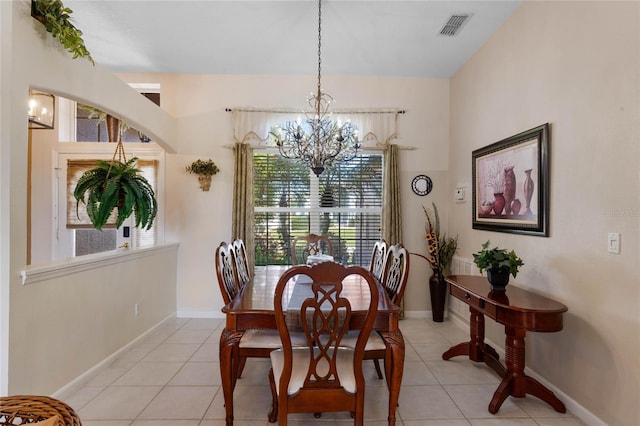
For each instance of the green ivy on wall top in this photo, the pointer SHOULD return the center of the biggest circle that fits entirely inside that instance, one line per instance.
(56, 19)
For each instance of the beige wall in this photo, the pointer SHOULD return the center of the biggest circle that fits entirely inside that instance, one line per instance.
(54, 330)
(576, 66)
(201, 220)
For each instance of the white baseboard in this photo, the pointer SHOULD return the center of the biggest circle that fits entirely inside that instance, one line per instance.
(200, 314)
(79, 382)
(417, 314)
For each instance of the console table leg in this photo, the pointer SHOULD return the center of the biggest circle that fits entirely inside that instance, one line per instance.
(457, 350)
(476, 333)
(516, 383)
(503, 391)
(476, 348)
(536, 388)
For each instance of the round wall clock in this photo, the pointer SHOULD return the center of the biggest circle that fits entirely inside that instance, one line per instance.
(421, 185)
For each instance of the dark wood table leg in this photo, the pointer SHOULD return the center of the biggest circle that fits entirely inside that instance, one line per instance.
(394, 357)
(476, 349)
(229, 341)
(515, 382)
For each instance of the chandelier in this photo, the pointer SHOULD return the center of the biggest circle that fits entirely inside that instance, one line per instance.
(319, 142)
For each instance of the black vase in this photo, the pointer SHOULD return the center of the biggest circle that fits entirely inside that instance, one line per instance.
(438, 292)
(499, 279)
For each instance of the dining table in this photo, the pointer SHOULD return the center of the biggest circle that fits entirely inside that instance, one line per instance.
(253, 308)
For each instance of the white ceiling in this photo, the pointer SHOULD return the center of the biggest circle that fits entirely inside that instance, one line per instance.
(367, 38)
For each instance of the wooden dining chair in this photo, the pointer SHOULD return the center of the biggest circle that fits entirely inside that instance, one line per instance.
(376, 266)
(226, 272)
(396, 272)
(310, 245)
(394, 280)
(323, 376)
(242, 263)
(254, 343)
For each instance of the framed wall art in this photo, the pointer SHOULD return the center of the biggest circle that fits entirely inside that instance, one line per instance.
(511, 184)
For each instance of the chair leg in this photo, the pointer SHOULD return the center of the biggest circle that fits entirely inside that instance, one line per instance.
(243, 361)
(273, 415)
(377, 365)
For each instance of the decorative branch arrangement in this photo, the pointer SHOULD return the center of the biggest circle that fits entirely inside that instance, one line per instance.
(57, 20)
(440, 248)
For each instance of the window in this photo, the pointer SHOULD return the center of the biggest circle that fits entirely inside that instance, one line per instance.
(344, 203)
(95, 130)
(89, 240)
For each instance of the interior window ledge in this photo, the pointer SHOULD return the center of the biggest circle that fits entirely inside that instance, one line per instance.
(73, 265)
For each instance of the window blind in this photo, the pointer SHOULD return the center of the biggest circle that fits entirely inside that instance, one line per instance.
(345, 203)
(148, 169)
(77, 217)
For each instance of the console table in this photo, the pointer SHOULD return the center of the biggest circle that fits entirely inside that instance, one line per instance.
(519, 311)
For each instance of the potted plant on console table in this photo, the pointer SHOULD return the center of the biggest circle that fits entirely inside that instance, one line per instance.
(499, 264)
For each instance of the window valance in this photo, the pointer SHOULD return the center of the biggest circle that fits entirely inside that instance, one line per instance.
(375, 127)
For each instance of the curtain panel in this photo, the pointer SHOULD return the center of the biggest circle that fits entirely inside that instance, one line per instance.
(242, 210)
(392, 203)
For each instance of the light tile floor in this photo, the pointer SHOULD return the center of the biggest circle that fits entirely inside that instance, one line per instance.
(172, 377)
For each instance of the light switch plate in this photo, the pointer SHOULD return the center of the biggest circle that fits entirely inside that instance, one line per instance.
(613, 242)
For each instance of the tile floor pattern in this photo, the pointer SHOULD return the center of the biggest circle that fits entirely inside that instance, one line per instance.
(171, 377)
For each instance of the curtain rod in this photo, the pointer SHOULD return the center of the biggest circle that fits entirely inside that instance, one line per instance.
(294, 111)
(365, 148)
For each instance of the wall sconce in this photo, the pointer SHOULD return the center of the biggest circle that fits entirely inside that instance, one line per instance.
(41, 110)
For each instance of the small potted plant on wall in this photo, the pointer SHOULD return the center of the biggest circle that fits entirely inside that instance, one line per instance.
(499, 264)
(204, 169)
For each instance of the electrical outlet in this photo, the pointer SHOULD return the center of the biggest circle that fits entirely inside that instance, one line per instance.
(136, 310)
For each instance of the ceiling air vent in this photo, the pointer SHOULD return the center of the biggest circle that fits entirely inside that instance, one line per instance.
(453, 25)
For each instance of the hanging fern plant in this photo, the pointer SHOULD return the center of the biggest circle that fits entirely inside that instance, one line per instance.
(116, 185)
(56, 19)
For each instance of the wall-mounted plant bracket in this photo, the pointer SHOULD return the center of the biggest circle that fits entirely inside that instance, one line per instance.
(57, 20)
(205, 170)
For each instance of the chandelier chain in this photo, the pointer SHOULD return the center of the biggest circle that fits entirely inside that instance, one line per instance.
(319, 43)
(319, 141)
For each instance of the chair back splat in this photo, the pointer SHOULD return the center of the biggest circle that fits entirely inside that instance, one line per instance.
(323, 376)
(310, 245)
(242, 263)
(376, 266)
(226, 271)
(396, 272)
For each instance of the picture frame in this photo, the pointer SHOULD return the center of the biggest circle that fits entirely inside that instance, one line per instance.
(511, 184)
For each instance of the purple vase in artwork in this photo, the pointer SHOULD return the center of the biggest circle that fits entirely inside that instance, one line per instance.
(498, 203)
(528, 191)
(509, 188)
